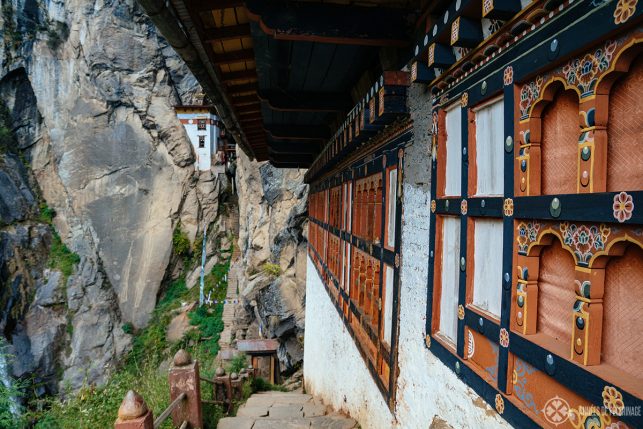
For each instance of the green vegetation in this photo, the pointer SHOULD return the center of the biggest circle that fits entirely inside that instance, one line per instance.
(97, 407)
(237, 363)
(47, 214)
(8, 394)
(60, 257)
(273, 270)
(181, 242)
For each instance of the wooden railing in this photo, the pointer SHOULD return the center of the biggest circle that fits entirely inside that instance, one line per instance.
(185, 394)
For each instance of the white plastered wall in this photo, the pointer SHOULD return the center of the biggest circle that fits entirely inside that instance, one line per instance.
(333, 368)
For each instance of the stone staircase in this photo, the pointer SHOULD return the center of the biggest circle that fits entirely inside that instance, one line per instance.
(285, 410)
(225, 342)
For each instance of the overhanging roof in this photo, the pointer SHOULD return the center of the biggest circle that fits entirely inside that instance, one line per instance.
(284, 74)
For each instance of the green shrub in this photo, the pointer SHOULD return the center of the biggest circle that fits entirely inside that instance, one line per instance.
(181, 242)
(60, 257)
(210, 326)
(128, 328)
(273, 270)
(47, 214)
(237, 363)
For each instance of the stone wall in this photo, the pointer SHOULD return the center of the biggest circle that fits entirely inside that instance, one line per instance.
(273, 207)
(427, 391)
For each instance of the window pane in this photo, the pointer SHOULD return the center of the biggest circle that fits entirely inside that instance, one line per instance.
(489, 149)
(388, 304)
(450, 278)
(454, 147)
(391, 198)
(487, 275)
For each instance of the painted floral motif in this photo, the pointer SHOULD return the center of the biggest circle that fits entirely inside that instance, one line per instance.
(527, 234)
(613, 400)
(514, 377)
(431, 54)
(494, 26)
(508, 75)
(583, 72)
(500, 404)
(504, 338)
(487, 6)
(624, 10)
(434, 123)
(471, 346)
(623, 206)
(520, 378)
(528, 94)
(433, 206)
(460, 312)
(455, 30)
(463, 207)
(590, 417)
(508, 207)
(584, 240)
(465, 99)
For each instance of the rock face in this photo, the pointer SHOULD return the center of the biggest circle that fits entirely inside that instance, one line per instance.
(91, 88)
(272, 230)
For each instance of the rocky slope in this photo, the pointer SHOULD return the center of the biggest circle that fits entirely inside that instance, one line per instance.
(271, 270)
(91, 89)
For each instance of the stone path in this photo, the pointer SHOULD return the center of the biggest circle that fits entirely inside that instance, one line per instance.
(225, 341)
(285, 410)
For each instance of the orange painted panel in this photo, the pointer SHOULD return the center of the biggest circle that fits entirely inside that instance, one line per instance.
(560, 144)
(556, 294)
(625, 133)
(622, 318)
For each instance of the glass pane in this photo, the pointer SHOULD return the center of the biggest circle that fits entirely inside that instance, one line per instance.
(391, 198)
(450, 278)
(388, 304)
(487, 272)
(490, 149)
(454, 147)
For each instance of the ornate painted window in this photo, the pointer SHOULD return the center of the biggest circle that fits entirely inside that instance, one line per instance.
(536, 254)
(356, 249)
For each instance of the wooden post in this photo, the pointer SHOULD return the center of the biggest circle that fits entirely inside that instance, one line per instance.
(184, 377)
(133, 413)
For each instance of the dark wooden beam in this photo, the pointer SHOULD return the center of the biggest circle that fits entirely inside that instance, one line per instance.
(306, 101)
(244, 99)
(421, 73)
(331, 23)
(239, 75)
(440, 55)
(208, 5)
(234, 57)
(226, 33)
(302, 158)
(241, 88)
(466, 32)
(500, 9)
(297, 132)
(248, 108)
(309, 147)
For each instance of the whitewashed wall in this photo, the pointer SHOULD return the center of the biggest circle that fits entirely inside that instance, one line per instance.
(203, 154)
(333, 367)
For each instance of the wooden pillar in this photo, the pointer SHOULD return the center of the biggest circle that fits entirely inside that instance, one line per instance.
(592, 146)
(184, 378)
(133, 413)
(526, 314)
(378, 212)
(587, 316)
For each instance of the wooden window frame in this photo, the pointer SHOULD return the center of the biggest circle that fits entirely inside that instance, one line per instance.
(355, 279)
(522, 204)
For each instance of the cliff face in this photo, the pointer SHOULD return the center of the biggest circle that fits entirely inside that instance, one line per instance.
(271, 271)
(91, 89)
